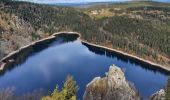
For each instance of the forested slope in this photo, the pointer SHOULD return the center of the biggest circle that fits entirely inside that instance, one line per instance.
(31, 22)
(139, 30)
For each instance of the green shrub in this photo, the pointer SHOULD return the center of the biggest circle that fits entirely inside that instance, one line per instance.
(67, 93)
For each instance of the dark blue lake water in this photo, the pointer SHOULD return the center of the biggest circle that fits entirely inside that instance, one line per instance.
(48, 67)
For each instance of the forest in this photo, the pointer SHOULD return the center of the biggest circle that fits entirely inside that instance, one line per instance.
(147, 36)
(143, 31)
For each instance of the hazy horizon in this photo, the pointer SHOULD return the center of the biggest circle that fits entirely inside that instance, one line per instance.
(81, 1)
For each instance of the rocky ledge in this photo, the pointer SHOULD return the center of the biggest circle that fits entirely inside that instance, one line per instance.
(112, 87)
(160, 95)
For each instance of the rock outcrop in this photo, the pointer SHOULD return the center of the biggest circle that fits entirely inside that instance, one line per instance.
(112, 87)
(160, 95)
(14, 33)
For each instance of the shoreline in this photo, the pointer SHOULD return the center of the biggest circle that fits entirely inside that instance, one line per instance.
(7, 59)
(128, 55)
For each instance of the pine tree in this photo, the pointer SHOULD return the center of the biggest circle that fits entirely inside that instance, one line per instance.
(67, 93)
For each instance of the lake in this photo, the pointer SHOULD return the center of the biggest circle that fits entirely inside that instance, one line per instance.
(47, 65)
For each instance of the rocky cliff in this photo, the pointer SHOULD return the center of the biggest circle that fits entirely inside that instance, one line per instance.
(160, 95)
(112, 87)
(14, 33)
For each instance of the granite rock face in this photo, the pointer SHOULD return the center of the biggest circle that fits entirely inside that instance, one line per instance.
(160, 95)
(112, 87)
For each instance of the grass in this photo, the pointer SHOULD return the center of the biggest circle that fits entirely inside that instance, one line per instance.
(104, 9)
(126, 5)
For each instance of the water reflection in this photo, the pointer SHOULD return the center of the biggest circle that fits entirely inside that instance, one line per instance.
(21, 56)
(48, 64)
(126, 59)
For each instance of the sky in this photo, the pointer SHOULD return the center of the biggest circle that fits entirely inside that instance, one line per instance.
(80, 1)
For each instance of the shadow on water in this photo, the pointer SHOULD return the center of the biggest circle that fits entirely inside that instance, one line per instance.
(20, 57)
(52, 70)
(112, 54)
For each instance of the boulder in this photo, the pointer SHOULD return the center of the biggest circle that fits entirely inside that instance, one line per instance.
(112, 87)
(160, 95)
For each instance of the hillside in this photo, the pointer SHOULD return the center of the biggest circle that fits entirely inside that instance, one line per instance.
(21, 23)
(139, 28)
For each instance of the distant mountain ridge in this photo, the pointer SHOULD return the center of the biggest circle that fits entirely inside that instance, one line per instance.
(90, 4)
(82, 5)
